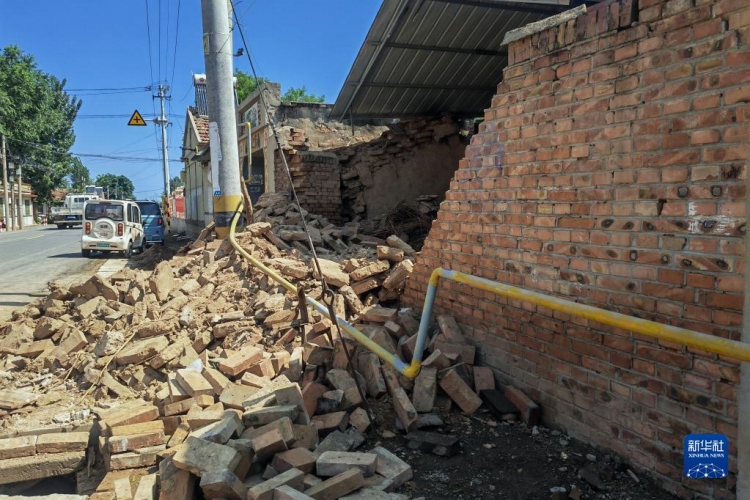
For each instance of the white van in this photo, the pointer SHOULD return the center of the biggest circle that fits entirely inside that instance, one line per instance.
(112, 226)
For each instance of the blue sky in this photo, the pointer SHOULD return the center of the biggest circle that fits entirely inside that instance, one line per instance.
(105, 45)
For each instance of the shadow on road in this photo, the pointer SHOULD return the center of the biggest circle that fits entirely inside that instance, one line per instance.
(12, 304)
(65, 255)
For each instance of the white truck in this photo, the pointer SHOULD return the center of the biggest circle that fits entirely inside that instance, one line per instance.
(71, 213)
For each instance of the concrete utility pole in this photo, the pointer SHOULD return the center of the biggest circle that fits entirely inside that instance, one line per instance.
(162, 120)
(20, 199)
(217, 50)
(6, 213)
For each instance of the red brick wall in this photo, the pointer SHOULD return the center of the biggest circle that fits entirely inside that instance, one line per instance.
(610, 170)
(316, 176)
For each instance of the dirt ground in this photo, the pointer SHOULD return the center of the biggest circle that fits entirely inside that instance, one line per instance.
(506, 460)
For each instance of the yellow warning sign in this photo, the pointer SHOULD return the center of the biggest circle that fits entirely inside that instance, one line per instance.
(137, 120)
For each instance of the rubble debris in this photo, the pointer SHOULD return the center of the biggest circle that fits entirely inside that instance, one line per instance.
(198, 368)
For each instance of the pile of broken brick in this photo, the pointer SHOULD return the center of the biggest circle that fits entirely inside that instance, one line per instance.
(198, 368)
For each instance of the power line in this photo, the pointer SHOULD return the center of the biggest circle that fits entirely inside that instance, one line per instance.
(148, 31)
(176, 40)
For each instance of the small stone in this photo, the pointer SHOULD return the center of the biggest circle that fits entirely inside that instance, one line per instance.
(590, 457)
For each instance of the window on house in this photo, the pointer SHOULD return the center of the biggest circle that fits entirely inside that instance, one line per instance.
(27, 207)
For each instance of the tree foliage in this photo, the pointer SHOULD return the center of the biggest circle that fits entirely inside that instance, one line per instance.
(176, 182)
(36, 115)
(118, 186)
(300, 95)
(80, 177)
(246, 84)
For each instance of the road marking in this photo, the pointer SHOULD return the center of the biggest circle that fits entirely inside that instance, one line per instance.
(35, 237)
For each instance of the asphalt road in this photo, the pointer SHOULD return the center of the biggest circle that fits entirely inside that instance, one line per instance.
(31, 258)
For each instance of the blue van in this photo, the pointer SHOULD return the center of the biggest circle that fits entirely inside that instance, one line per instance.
(153, 221)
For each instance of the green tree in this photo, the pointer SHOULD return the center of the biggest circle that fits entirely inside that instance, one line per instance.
(36, 115)
(80, 177)
(246, 84)
(300, 95)
(118, 186)
(176, 182)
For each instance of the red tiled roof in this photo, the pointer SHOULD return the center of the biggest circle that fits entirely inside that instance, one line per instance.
(201, 125)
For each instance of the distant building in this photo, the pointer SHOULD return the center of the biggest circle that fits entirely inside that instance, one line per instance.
(28, 201)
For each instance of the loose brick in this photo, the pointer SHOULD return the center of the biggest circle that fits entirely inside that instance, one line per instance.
(194, 383)
(529, 410)
(22, 446)
(198, 456)
(289, 493)
(241, 361)
(269, 443)
(62, 442)
(292, 478)
(222, 483)
(484, 379)
(297, 458)
(146, 488)
(332, 463)
(425, 389)
(460, 392)
(392, 467)
(175, 483)
(337, 486)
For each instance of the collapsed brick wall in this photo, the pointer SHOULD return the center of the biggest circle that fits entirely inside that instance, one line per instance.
(419, 159)
(316, 176)
(610, 170)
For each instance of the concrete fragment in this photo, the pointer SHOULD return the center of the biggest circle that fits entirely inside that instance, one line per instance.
(332, 463)
(379, 314)
(217, 380)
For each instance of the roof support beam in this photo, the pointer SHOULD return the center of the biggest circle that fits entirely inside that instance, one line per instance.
(408, 86)
(513, 6)
(453, 50)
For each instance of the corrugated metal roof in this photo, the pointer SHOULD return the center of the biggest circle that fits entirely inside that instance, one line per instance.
(424, 57)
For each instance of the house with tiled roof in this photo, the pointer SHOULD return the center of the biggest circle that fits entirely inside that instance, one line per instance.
(197, 171)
